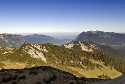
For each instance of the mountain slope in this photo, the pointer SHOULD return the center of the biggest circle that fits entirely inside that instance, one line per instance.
(115, 40)
(93, 47)
(41, 75)
(79, 63)
(46, 74)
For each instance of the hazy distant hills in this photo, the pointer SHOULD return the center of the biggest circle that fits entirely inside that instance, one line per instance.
(77, 62)
(115, 40)
(35, 38)
(13, 40)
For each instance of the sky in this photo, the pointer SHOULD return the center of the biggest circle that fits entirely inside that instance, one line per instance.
(38, 16)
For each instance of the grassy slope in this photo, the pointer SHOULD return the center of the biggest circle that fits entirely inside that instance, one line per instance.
(79, 63)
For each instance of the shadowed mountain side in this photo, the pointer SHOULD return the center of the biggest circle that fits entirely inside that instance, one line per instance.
(41, 75)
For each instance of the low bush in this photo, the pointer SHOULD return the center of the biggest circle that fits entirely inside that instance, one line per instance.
(22, 77)
(33, 72)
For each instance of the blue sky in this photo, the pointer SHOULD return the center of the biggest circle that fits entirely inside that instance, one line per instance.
(37, 16)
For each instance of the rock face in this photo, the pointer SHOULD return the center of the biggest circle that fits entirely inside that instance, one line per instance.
(34, 50)
(115, 40)
(81, 46)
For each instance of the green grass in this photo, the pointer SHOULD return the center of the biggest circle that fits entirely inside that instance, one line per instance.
(63, 58)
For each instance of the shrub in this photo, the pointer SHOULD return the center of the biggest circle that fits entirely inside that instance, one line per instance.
(20, 71)
(7, 78)
(53, 77)
(15, 77)
(47, 81)
(33, 72)
(22, 77)
(71, 83)
(37, 82)
(14, 82)
(104, 77)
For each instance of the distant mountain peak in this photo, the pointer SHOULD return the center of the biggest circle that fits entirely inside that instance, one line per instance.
(93, 32)
(98, 32)
(112, 39)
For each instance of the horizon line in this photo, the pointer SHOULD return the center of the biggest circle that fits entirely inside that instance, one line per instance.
(53, 32)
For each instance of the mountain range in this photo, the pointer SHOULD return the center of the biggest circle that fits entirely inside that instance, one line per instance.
(14, 40)
(112, 39)
(93, 54)
(11, 40)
